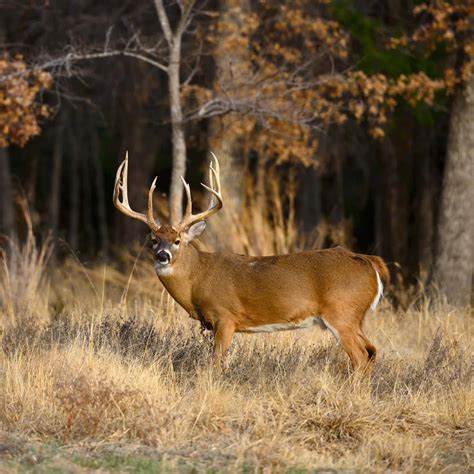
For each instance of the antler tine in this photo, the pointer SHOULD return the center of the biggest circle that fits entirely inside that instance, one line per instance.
(214, 174)
(215, 202)
(118, 177)
(150, 217)
(211, 185)
(189, 202)
(121, 189)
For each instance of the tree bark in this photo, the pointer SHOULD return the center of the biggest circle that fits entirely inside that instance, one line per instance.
(173, 38)
(177, 134)
(455, 232)
(224, 141)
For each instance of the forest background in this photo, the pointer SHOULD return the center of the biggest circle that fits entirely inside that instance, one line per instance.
(344, 122)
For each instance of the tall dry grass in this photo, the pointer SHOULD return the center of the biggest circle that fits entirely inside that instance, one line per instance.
(99, 361)
(23, 289)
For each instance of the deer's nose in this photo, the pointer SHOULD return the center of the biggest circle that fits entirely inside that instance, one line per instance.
(163, 256)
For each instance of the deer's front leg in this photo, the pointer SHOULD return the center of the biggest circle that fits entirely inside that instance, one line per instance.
(223, 331)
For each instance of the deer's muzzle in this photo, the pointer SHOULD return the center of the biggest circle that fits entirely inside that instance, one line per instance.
(164, 257)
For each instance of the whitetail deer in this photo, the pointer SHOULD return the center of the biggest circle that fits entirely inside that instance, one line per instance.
(230, 293)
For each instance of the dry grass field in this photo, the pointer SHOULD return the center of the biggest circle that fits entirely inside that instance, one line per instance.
(100, 370)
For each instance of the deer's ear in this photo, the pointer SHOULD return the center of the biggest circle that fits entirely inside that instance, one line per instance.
(195, 230)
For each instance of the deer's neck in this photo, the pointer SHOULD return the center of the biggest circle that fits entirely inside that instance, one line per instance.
(179, 280)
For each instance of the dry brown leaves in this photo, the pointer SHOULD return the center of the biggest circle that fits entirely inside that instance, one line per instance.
(19, 109)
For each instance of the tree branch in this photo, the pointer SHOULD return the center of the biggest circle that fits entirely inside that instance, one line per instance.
(66, 61)
(184, 20)
(147, 60)
(164, 21)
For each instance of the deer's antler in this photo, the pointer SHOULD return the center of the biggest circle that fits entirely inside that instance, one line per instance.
(215, 202)
(123, 205)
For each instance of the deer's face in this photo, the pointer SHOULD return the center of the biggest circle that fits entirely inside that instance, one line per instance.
(167, 245)
(168, 242)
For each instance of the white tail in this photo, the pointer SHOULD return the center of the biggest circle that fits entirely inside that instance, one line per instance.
(379, 294)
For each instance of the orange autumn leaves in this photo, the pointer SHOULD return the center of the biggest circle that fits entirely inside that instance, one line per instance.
(20, 110)
(287, 74)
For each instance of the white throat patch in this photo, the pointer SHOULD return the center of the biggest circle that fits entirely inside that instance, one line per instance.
(163, 270)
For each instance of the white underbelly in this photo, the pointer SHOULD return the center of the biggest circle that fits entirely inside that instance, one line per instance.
(309, 322)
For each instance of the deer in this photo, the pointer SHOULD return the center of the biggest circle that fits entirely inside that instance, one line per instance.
(228, 293)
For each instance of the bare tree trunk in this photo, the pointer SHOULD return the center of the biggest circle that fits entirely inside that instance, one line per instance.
(177, 134)
(223, 139)
(173, 38)
(7, 214)
(455, 233)
(225, 144)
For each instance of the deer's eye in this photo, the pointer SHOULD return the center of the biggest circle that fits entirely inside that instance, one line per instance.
(177, 242)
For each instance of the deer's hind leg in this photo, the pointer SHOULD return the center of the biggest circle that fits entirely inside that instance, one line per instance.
(359, 349)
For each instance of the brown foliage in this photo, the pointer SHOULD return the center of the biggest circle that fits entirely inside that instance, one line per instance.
(449, 23)
(287, 75)
(19, 109)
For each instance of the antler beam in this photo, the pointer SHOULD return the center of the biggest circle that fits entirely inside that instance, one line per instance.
(120, 190)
